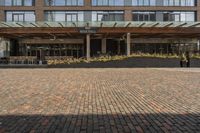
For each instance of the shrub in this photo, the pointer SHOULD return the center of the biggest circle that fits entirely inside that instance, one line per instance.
(107, 58)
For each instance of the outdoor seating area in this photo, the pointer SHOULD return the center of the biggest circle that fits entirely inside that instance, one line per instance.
(4, 60)
(31, 60)
(22, 60)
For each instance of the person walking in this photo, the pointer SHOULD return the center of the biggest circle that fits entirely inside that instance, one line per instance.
(188, 58)
(183, 59)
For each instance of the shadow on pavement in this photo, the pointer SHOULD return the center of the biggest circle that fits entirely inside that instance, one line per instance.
(132, 63)
(101, 123)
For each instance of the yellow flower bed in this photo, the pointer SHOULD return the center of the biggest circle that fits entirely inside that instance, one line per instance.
(107, 58)
(154, 55)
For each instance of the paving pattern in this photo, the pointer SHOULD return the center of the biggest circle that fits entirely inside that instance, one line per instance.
(99, 100)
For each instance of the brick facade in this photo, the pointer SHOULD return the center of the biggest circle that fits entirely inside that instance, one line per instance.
(198, 10)
(40, 7)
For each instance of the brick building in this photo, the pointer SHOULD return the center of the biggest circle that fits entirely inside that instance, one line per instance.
(85, 28)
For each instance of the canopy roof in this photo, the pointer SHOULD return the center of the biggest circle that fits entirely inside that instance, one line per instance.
(104, 29)
(119, 24)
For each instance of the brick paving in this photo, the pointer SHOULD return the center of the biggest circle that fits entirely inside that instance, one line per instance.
(99, 100)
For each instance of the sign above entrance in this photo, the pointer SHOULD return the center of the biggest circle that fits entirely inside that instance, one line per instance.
(87, 30)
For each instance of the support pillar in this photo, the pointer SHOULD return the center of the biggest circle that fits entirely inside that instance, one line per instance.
(198, 46)
(88, 46)
(103, 46)
(128, 41)
(118, 48)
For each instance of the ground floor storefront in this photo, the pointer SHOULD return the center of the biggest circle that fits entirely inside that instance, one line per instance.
(41, 43)
(43, 50)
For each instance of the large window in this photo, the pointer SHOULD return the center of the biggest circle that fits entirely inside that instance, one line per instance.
(17, 2)
(64, 2)
(144, 2)
(179, 16)
(176, 16)
(144, 16)
(164, 2)
(20, 16)
(107, 16)
(108, 2)
(64, 16)
(73, 16)
(29, 2)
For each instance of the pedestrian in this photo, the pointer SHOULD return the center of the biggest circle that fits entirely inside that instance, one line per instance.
(183, 59)
(188, 58)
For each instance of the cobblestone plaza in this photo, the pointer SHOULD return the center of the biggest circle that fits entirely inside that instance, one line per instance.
(99, 100)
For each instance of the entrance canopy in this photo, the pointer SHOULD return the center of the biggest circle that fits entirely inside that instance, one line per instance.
(109, 24)
(104, 28)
